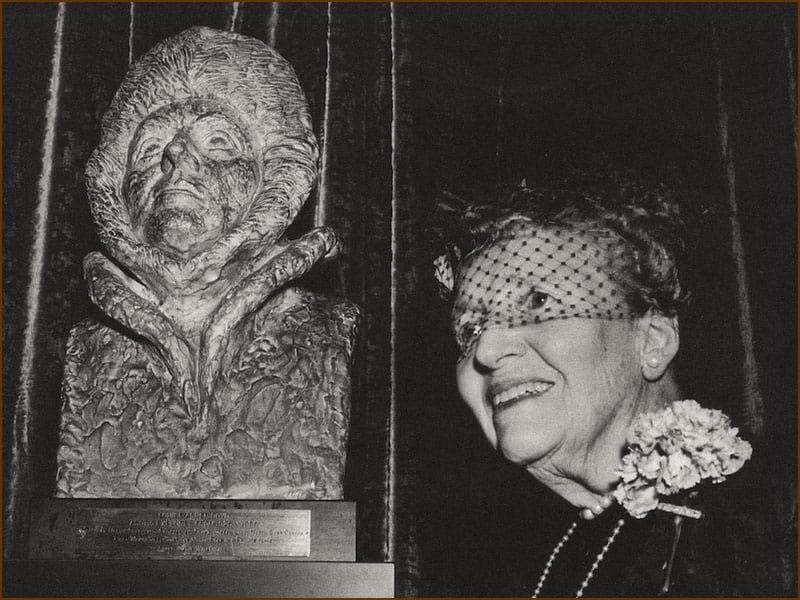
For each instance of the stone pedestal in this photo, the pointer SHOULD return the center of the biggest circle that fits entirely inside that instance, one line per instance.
(198, 579)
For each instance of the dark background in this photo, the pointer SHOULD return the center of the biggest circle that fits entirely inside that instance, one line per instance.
(411, 101)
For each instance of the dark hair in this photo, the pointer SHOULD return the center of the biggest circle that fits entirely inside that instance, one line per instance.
(646, 216)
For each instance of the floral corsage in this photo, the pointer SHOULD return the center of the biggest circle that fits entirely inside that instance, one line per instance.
(673, 450)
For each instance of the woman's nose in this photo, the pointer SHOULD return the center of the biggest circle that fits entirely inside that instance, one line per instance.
(497, 344)
(179, 154)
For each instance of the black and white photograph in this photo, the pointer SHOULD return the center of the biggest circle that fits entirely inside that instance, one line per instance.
(410, 299)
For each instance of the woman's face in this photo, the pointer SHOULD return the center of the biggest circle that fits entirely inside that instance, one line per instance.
(546, 377)
(553, 389)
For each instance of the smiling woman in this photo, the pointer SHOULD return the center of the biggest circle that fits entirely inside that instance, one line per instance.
(547, 316)
(566, 311)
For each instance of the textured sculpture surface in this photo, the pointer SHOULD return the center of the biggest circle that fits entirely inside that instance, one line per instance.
(210, 375)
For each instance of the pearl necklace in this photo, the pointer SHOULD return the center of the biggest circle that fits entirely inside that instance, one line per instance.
(598, 559)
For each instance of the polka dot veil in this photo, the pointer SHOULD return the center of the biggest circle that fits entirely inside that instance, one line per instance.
(528, 273)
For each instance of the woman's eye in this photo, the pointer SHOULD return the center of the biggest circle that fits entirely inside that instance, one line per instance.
(538, 300)
(466, 333)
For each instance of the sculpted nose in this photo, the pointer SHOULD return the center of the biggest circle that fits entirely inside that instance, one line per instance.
(179, 155)
(496, 345)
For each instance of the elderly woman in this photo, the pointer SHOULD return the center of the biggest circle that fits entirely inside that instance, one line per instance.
(566, 316)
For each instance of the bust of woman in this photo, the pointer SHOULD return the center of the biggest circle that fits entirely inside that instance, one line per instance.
(209, 375)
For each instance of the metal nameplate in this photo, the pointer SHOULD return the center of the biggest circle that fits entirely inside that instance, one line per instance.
(164, 533)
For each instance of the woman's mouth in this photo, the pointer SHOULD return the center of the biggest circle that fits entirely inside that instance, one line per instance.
(529, 389)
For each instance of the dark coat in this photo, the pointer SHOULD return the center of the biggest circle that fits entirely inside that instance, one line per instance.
(744, 545)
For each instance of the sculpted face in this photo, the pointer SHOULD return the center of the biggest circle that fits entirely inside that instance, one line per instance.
(192, 173)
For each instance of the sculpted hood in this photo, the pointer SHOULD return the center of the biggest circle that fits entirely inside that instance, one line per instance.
(241, 72)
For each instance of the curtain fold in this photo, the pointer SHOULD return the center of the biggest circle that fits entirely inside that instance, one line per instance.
(21, 431)
(753, 408)
(356, 189)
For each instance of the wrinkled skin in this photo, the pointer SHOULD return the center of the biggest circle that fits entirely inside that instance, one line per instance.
(557, 396)
(590, 377)
(192, 171)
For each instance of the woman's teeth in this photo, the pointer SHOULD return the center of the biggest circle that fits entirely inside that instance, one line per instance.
(531, 388)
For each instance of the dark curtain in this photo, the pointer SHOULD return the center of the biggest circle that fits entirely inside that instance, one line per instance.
(411, 101)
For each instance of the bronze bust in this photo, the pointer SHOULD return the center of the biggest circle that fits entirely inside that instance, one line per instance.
(211, 376)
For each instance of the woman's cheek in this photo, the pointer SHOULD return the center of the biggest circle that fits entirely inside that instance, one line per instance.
(466, 380)
(472, 388)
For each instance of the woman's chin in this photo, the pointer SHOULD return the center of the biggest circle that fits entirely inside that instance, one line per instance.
(521, 452)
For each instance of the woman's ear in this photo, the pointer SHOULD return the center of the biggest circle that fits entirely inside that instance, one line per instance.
(659, 343)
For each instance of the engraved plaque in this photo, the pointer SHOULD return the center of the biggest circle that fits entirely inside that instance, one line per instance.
(129, 533)
(285, 530)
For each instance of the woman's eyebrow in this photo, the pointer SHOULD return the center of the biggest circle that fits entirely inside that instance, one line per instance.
(525, 280)
(473, 302)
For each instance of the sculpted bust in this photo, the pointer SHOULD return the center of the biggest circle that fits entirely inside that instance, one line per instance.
(211, 377)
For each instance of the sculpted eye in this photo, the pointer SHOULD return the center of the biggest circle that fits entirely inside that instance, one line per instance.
(220, 144)
(148, 149)
(219, 141)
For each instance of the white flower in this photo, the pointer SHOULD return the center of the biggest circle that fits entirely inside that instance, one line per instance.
(629, 471)
(681, 473)
(708, 464)
(650, 466)
(637, 501)
(674, 449)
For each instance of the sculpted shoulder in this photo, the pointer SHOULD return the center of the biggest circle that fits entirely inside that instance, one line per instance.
(285, 383)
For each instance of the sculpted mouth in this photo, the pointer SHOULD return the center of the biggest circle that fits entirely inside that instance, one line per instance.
(177, 198)
(528, 389)
(176, 217)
